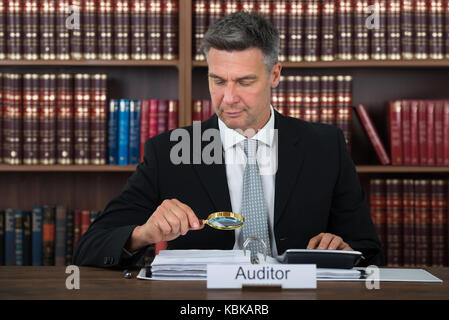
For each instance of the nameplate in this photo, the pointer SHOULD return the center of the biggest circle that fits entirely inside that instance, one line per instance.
(235, 276)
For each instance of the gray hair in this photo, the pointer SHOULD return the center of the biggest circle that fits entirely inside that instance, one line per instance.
(242, 30)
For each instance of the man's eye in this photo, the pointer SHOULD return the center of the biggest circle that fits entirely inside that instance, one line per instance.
(245, 84)
(219, 83)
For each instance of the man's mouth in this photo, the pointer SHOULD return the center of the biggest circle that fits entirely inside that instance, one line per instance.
(233, 114)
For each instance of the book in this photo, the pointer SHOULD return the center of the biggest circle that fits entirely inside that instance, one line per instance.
(407, 32)
(14, 29)
(295, 30)
(361, 32)
(98, 119)
(123, 132)
(138, 30)
(395, 130)
(134, 131)
(10, 237)
(19, 235)
(36, 235)
(31, 119)
(279, 20)
(82, 119)
(62, 33)
(12, 119)
(69, 237)
(105, 20)
(121, 29)
(378, 210)
(31, 29)
(378, 33)
(422, 222)
(47, 16)
(60, 235)
(2, 30)
(47, 119)
(372, 134)
(154, 25)
(144, 126)
(420, 29)
(344, 10)
(64, 119)
(435, 27)
(328, 32)
(438, 223)
(394, 196)
(394, 30)
(408, 206)
(76, 37)
(2, 237)
(113, 116)
(27, 245)
(170, 10)
(311, 30)
(48, 235)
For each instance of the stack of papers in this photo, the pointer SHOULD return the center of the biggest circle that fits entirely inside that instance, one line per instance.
(192, 264)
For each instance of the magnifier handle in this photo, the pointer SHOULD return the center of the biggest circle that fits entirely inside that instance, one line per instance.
(204, 221)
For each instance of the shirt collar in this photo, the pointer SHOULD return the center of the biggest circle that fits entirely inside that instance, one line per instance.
(230, 137)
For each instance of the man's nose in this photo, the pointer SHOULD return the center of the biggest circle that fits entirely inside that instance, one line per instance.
(230, 96)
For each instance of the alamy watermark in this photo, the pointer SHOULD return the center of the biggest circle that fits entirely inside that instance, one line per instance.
(73, 280)
(372, 277)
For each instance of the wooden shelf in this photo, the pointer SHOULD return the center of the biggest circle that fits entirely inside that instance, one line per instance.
(67, 168)
(358, 64)
(84, 63)
(401, 169)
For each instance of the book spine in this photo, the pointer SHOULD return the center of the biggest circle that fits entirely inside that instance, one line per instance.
(36, 236)
(215, 11)
(30, 119)
(328, 35)
(281, 95)
(298, 97)
(155, 29)
(62, 33)
(123, 132)
(162, 116)
(113, 132)
(89, 29)
(205, 109)
(65, 118)
(414, 133)
(98, 120)
(47, 29)
(295, 30)
(280, 22)
(170, 29)
(372, 134)
(407, 43)
(436, 26)
(422, 222)
(138, 30)
(144, 117)
(85, 221)
(1, 116)
(248, 5)
(199, 27)
(438, 223)
(3, 30)
(430, 142)
(378, 35)
(439, 155)
(327, 100)
(31, 30)
(75, 30)
(82, 119)
(290, 96)
(315, 99)
(10, 238)
(420, 28)
(27, 238)
(60, 235)
(153, 118)
(48, 236)
(14, 11)
(344, 30)
(446, 28)
(69, 237)
(76, 227)
(312, 12)
(408, 223)
(19, 235)
(446, 132)
(121, 29)
(230, 6)
(2, 237)
(344, 107)
(173, 111)
(394, 222)
(361, 34)
(422, 132)
(12, 119)
(105, 29)
(47, 119)
(394, 30)
(264, 8)
(196, 110)
(378, 210)
(134, 131)
(405, 124)
(395, 131)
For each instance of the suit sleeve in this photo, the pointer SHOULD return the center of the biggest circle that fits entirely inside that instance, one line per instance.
(103, 243)
(350, 217)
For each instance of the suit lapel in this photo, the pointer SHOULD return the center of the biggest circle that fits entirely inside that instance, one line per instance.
(291, 153)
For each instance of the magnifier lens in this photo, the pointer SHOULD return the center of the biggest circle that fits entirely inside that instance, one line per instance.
(225, 220)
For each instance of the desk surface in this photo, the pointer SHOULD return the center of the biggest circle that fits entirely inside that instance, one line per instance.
(98, 284)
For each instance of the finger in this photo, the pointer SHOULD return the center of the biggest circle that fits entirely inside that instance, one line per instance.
(193, 219)
(181, 214)
(335, 243)
(314, 241)
(173, 221)
(162, 225)
(346, 247)
(325, 240)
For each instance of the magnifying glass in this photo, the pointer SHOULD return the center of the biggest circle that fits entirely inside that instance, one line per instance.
(225, 220)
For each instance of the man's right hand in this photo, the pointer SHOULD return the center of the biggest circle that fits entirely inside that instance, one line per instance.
(170, 220)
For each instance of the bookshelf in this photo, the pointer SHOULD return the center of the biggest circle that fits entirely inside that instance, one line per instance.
(92, 186)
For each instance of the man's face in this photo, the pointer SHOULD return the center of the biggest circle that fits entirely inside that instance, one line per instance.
(239, 86)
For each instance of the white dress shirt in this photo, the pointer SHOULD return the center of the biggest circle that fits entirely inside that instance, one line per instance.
(235, 165)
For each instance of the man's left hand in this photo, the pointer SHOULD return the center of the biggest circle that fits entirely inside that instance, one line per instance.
(328, 241)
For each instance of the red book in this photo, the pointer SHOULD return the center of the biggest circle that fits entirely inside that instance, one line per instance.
(394, 222)
(152, 118)
(48, 235)
(395, 132)
(160, 246)
(446, 133)
(85, 221)
(408, 203)
(172, 114)
(438, 223)
(422, 133)
(406, 145)
(144, 125)
(439, 156)
(430, 133)
(205, 109)
(196, 110)
(422, 223)
(414, 141)
(372, 134)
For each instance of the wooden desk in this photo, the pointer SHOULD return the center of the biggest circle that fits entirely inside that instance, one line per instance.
(41, 283)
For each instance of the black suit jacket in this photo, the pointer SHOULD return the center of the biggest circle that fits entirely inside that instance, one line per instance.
(317, 190)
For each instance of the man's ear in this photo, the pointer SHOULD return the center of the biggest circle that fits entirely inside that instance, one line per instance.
(275, 75)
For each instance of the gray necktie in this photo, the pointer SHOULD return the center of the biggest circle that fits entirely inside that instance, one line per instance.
(253, 209)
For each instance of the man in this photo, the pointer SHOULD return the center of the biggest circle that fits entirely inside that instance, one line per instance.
(312, 199)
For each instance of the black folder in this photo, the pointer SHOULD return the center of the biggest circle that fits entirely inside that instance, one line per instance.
(338, 259)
